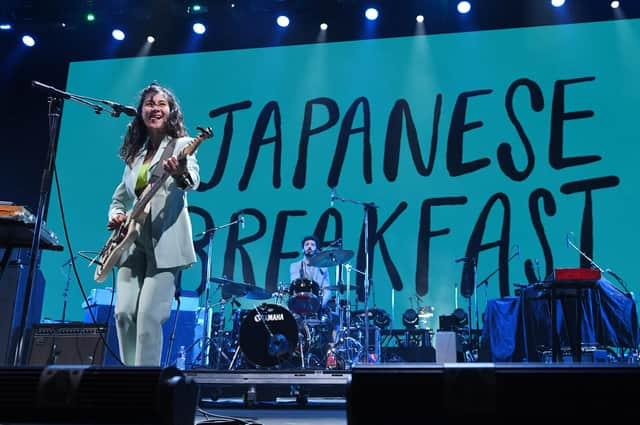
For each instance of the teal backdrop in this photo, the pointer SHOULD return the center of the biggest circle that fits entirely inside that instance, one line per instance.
(479, 144)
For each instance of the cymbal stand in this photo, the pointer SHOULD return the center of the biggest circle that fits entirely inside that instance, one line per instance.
(366, 206)
(206, 319)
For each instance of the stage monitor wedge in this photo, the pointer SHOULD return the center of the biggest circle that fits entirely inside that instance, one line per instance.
(491, 393)
(89, 395)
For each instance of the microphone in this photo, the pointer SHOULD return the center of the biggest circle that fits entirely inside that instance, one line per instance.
(241, 220)
(333, 195)
(567, 240)
(118, 109)
(278, 345)
(50, 89)
(518, 250)
(462, 259)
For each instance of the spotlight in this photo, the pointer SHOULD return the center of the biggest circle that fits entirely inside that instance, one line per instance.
(150, 39)
(5, 27)
(464, 7)
(615, 4)
(371, 13)
(118, 34)
(197, 9)
(410, 319)
(90, 17)
(381, 319)
(557, 3)
(419, 19)
(324, 26)
(28, 41)
(455, 321)
(199, 28)
(282, 21)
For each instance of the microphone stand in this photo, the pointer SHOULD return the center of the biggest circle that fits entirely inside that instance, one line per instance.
(367, 206)
(65, 294)
(55, 100)
(206, 320)
(593, 264)
(485, 282)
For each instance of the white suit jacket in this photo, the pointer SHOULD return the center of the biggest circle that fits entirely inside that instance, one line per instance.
(171, 226)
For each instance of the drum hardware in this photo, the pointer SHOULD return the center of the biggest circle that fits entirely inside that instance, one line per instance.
(206, 324)
(367, 206)
(278, 296)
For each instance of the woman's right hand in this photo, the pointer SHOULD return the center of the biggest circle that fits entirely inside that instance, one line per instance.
(116, 221)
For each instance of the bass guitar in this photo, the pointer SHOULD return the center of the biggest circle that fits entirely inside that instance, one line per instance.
(126, 233)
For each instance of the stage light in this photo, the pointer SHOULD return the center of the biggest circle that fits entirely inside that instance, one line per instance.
(150, 39)
(90, 17)
(456, 321)
(464, 7)
(282, 21)
(371, 13)
(557, 3)
(419, 19)
(117, 34)
(197, 9)
(5, 27)
(615, 4)
(324, 26)
(199, 28)
(28, 41)
(410, 319)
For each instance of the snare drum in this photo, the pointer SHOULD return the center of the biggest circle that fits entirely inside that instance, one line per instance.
(305, 296)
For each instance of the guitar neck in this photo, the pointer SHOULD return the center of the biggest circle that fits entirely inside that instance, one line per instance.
(148, 194)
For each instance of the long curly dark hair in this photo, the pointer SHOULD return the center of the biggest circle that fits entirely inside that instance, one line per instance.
(136, 135)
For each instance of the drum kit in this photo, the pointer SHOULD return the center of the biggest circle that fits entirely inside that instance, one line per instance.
(293, 331)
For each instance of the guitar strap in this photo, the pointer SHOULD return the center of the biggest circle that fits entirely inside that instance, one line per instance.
(158, 170)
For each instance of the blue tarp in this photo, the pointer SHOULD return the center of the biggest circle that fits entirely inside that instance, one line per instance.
(518, 328)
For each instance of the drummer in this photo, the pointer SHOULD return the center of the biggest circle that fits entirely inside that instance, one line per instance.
(304, 270)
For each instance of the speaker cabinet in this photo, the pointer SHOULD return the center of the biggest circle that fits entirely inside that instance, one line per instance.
(67, 344)
(12, 294)
(92, 395)
(185, 330)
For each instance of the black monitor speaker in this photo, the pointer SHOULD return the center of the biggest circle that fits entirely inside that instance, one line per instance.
(90, 395)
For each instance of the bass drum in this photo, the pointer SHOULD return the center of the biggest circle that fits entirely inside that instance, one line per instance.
(270, 335)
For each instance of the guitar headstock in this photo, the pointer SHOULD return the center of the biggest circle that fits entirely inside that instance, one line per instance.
(204, 133)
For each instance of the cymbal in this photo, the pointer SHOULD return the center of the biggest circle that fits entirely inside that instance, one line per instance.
(330, 258)
(239, 289)
(341, 288)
